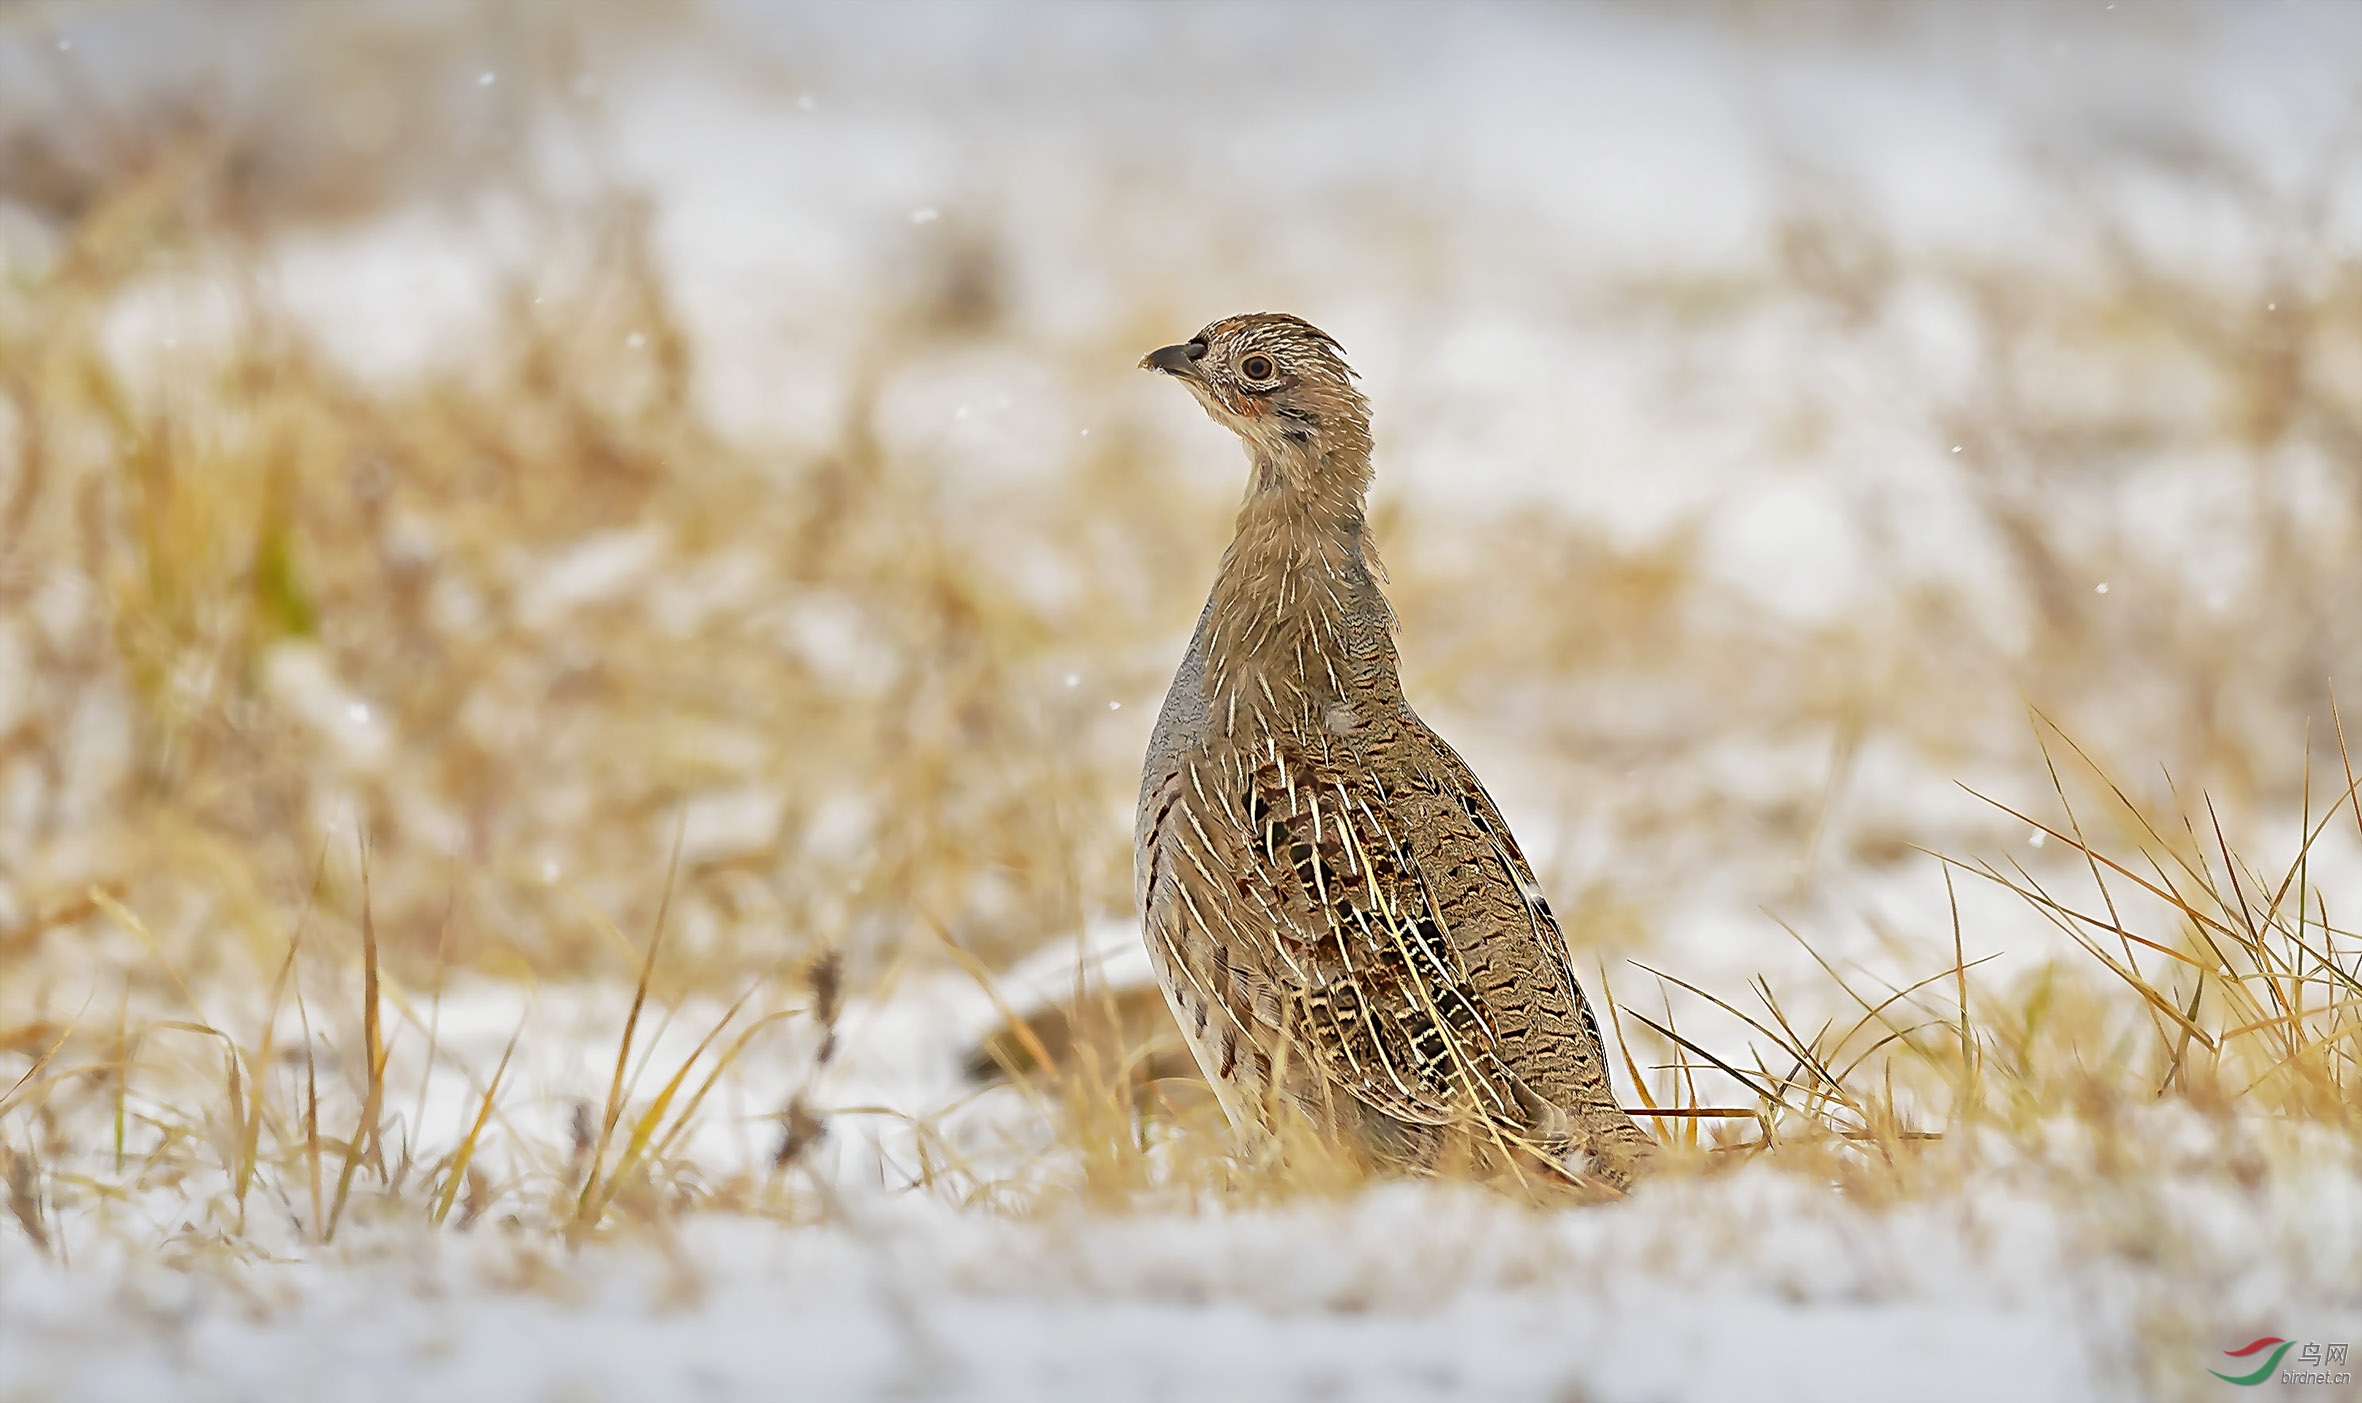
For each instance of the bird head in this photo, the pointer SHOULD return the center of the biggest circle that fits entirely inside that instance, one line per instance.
(1278, 382)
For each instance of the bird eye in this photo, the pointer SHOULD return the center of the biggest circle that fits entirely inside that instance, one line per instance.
(1258, 367)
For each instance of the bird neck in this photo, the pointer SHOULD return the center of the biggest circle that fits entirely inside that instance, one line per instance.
(1297, 614)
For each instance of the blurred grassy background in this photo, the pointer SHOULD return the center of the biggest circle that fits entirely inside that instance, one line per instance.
(394, 435)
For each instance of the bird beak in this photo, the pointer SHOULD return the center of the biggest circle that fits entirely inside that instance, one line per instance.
(1174, 360)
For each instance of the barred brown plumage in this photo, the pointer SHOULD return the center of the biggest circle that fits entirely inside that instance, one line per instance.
(1337, 912)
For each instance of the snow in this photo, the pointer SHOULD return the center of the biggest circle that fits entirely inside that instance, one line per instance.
(1739, 1282)
(1248, 1308)
(1746, 1282)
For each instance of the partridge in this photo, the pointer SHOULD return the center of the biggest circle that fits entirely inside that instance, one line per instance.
(1339, 917)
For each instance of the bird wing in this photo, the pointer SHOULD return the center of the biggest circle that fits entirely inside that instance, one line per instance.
(1377, 914)
(1521, 962)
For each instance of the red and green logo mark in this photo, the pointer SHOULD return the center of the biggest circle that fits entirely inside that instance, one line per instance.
(2317, 1362)
(2263, 1371)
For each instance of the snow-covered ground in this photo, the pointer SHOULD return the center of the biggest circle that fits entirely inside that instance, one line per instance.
(1754, 1282)
(1405, 1294)
(2030, 1273)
